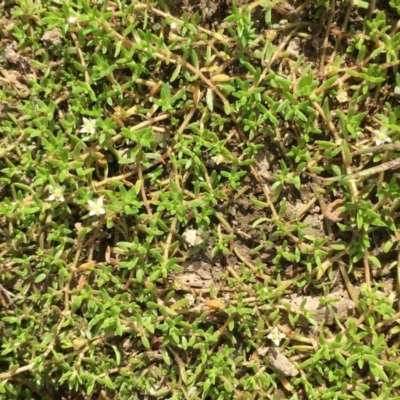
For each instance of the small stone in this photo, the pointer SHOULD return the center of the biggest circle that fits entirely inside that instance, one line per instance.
(294, 47)
(281, 363)
(52, 37)
(11, 55)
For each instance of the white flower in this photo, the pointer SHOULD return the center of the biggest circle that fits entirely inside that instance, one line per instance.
(194, 237)
(191, 392)
(56, 193)
(96, 207)
(276, 336)
(392, 297)
(381, 136)
(72, 20)
(220, 159)
(342, 96)
(89, 126)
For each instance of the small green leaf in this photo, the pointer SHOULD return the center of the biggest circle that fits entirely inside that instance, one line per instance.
(375, 261)
(210, 99)
(260, 221)
(40, 278)
(227, 386)
(108, 382)
(145, 341)
(165, 356)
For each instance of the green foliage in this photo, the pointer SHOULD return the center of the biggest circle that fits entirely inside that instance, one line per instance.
(126, 129)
